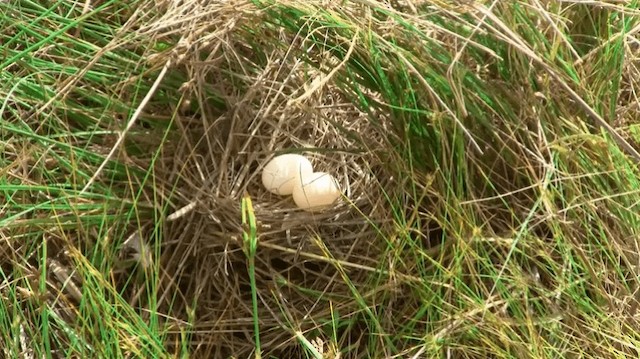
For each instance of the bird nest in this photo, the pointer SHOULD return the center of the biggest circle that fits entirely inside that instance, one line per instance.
(306, 263)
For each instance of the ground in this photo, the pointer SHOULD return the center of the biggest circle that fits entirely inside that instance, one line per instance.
(486, 151)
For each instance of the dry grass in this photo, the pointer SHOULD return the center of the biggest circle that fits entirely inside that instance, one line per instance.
(213, 164)
(486, 151)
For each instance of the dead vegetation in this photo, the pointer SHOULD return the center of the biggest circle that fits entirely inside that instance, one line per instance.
(490, 190)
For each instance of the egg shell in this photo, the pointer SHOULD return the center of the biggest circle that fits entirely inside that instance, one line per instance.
(282, 172)
(316, 191)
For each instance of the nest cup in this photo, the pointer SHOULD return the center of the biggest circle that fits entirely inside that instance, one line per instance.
(222, 157)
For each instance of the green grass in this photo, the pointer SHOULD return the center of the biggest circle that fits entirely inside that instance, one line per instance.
(250, 247)
(503, 222)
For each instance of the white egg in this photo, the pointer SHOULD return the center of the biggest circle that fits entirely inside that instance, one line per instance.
(316, 191)
(282, 172)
